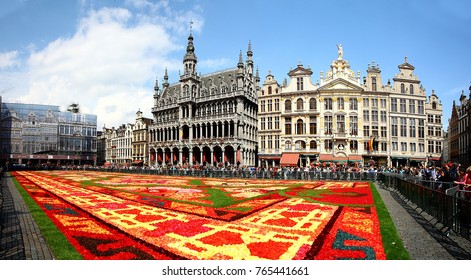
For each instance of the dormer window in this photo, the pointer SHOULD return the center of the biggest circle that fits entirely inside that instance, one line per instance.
(411, 89)
(300, 84)
(373, 84)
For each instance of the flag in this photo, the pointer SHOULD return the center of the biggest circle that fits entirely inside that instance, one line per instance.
(370, 144)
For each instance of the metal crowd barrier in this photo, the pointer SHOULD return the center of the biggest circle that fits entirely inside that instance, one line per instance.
(448, 204)
(256, 174)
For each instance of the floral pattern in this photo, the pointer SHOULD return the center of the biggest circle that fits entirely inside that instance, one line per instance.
(123, 216)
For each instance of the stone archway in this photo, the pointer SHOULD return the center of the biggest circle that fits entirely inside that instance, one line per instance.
(197, 155)
(217, 155)
(152, 154)
(175, 156)
(167, 158)
(160, 156)
(206, 160)
(229, 155)
(185, 155)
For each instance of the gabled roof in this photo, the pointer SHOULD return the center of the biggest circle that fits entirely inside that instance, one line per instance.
(340, 83)
(406, 65)
(300, 71)
(13, 118)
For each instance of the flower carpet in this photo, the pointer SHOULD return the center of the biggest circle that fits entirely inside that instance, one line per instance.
(124, 216)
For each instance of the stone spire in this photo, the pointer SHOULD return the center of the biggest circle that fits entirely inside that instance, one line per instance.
(190, 60)
(241, 63)
(156, 87)
(249, 52)
(165, 83)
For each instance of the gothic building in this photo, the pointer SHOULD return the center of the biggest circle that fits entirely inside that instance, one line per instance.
(459, 131)
(206, 119)
(345, 119)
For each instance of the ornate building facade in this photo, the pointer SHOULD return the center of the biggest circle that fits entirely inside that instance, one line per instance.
(206, 120)
(459, 131)
(140, 149)
(42, 134)
(343, 118)
(118, 145)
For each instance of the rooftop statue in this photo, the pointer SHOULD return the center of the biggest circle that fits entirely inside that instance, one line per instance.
(340, 51)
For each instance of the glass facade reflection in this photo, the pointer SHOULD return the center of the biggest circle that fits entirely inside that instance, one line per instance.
(42, 134)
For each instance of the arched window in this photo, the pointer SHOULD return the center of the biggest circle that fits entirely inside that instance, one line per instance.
(288, 145)
(300, 127)
(411, 89)
(403, 88)
(299, 104)
(373, 84)
(313, 145)
(269, 90)
(434, 105)
(288, 105)
(312, 104)
(300, 145)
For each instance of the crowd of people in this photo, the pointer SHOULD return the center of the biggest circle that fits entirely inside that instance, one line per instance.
(446, 176)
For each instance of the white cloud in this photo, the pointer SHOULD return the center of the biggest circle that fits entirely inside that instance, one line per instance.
(108, 66)
(9, 59)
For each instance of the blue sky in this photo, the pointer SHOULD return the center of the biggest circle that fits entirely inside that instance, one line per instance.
(106, 54)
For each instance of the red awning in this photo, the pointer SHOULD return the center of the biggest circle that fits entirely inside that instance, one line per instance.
(355, 158)
(340, 159)
(326, 157)
(289, 160)
(270, 157)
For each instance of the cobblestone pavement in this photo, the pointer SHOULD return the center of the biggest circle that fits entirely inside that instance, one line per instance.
(21, 239)
(420, 234)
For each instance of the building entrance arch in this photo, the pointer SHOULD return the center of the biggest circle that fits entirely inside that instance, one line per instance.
(206, 160)
(217, 155)
(196, 155)
(229, 155)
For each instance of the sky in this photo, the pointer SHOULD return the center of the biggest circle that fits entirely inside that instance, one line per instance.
(106, 55)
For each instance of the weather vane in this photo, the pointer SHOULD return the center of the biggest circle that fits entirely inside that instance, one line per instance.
(191, 25)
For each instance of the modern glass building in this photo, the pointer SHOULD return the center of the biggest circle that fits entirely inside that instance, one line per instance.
(34, 134)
